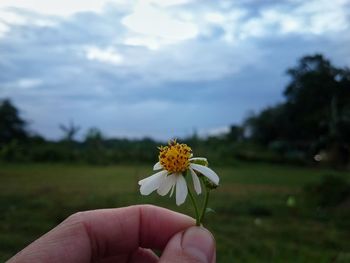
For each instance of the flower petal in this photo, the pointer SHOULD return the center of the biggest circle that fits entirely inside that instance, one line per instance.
(172, 189)
(199, 159)
(149, 184)
(181, 189)
(196, 182)
(166, 184)
(207, 172)
(157, 166)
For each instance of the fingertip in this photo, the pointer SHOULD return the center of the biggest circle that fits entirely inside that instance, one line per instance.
(195, 245)
(199, 242)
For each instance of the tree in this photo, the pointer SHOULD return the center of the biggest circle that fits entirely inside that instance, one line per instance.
(95, 152)
(236, 133)
(12, 126)
(94, 137)
(318, 98)
(70, 131)
(318, 102)
(316, 113)
(269, 125)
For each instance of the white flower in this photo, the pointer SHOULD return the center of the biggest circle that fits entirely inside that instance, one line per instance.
(175, 160)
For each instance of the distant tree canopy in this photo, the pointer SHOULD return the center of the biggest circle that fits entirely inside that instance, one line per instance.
(269, 125)
(12, 126)
(316, 112)
(236, 133)
(318, 99)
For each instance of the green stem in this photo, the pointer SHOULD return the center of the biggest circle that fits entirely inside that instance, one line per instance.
(198, 222)
(205, 205)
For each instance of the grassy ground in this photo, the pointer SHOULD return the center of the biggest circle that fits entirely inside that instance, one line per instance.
(252, 222)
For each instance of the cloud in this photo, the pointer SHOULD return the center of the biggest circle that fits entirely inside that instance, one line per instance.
(108, 55)
(158, 68)
(27, 83)
(56, 7)
(154, 23)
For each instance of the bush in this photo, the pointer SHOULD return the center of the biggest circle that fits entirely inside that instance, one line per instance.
(331, 191)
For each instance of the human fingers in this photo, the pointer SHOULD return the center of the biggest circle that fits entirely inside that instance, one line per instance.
(141, 255)
(195, 245)
(92, 235)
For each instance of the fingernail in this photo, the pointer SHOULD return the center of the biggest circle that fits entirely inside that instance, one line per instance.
(199, 243)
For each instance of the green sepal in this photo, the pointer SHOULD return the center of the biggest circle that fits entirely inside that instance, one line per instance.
(201, 162)
(208, 184)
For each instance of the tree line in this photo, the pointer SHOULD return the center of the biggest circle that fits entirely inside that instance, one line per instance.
(311, 125)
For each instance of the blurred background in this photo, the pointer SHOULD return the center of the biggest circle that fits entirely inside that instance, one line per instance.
(90, 89)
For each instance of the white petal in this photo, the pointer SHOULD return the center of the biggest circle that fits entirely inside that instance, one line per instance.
(149, 184)
(166, 184)
(172, 189)
(207, 172)
(199, 159)
(181, 189)
(157, 166)
(196, 182)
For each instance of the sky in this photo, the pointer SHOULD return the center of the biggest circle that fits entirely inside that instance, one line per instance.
(157, 68)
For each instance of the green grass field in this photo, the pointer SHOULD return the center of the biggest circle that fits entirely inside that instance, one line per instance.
(252, 222)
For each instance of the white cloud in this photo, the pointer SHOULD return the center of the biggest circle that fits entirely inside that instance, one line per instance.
(3, 29)
(215, 17)
(24, 83)
(56, 7)
(108, 55)
(167, 2)
(314, 17)
(229, 21)
(140, 58)
(149, 42)
(29, 83)
(150, 23)
(155, 23)
(10, 17)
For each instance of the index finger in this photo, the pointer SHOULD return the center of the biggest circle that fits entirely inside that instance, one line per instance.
(108, 232)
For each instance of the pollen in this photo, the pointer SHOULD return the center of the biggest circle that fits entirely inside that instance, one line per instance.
(175, 158)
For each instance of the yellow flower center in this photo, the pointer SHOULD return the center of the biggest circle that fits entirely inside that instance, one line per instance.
(175, 158)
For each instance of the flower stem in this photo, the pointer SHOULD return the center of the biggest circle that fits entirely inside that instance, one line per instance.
(205, 204)
(198, 221)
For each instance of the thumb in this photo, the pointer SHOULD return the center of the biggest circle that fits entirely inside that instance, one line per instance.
(195, 245)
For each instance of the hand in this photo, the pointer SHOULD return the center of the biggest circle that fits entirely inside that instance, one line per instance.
(122, 235)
